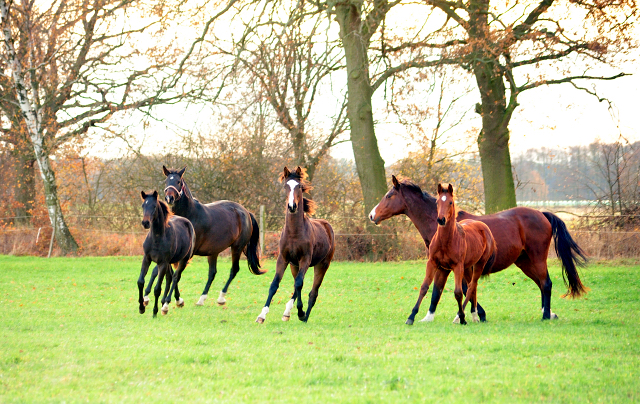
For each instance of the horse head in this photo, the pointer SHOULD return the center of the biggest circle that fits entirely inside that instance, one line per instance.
(446, 205)
(391, 205)
(174, 184)
(149, 208)
(295, 184)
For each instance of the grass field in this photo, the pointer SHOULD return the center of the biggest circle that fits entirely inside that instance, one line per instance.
(71, 332)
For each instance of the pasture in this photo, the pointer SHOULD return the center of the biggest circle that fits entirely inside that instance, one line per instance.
(71, 332)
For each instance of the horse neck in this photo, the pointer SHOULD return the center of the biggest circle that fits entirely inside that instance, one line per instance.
(185, 204)
(422, 214)
(294, 222)
(158, 224)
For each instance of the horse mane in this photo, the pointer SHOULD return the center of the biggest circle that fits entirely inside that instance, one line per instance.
(166, 211)
(309, 206)
(413, 187)
(305, 185)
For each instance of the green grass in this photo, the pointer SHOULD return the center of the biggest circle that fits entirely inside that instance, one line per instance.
(70, 331)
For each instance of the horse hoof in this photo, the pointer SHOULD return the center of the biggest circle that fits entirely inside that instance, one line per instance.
(145, 301)
(428, 318)
(456, 320)
(200, 301)
(286, 318)
(475, 318)
(221, 300)
(221, 303)
(409, 322)
(554, 316)
(180, 302)
(259, 320)
(463, 322)
(141, 310)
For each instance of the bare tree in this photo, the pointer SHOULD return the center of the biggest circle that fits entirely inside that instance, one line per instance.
(71, 65)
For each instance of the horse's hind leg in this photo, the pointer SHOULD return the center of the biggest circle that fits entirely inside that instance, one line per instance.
(213, 262)
(166, 299)
(235, 267)
(289, 306)
(536, 269)
(424, 288)
(158, 289)
(154, 275)
(299, 283)
(175, 278)
(318, 275)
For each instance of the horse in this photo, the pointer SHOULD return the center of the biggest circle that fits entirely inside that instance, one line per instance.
(523, 237)
(467, 248)
(304, 243)
(218, 226)
(171, 240)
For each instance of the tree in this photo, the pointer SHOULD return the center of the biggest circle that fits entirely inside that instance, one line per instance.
(71, 65)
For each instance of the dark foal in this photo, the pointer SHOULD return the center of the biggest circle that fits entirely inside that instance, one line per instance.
(218, 225)
(466, 248)
(304, 243)
(523, 237)
(171, 240)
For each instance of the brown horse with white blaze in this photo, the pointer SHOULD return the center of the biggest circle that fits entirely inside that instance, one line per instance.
(523, 237)
(466, 248)
(304, 243)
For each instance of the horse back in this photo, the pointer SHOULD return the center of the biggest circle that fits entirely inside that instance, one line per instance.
(515, 231)
(218, 225)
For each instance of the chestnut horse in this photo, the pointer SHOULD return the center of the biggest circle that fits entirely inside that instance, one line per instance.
(523, 237)
(466, 248)
(171, 240)
(304, 243)
(218, 225)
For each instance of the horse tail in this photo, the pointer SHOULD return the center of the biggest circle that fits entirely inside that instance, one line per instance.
(570, 254)
(494, 253)
(251, 250)
(192, 232)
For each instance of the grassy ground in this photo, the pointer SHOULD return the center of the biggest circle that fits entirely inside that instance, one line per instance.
(71, 332)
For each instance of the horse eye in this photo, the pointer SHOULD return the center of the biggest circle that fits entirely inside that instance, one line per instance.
(450, 203)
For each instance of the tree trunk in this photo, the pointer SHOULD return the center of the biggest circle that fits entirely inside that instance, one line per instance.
(493, 141)
(369, 163)
(24, 186)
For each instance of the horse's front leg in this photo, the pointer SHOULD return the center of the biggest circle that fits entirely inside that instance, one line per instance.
(428, 278)
(298, 284)
(154, 275)
(146, 261)
(166, 299)
(158, 289)
(289, 306)
(458, 273)
(439, 282)
(213, 264)
(281, 265)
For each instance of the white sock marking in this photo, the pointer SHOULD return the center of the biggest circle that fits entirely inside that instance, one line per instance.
(287, 308)
(201, 300)
(456, 320)
(474, 317)
(165, 307)
(221, 299)
(263, 313)
(428, 318)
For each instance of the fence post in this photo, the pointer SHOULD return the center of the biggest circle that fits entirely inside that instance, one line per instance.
(261, 230)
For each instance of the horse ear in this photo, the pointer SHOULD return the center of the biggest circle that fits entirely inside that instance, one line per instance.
(165, 171)
(181, 172)
(450, 189)
(143, 195)
(439, 188)
(299, 171)
(286, 172)
(155, 194)
(395, 182)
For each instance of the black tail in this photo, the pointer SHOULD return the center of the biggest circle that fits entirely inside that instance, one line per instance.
(251, 251)
(570, 254)
(487, 267)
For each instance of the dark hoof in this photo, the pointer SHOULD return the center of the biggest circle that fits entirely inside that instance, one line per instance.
(463, 321)
(141, 310)
(180, 302)
(409, 322)
(483, 319)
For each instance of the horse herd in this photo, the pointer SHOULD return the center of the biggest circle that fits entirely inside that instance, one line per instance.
(470, 246)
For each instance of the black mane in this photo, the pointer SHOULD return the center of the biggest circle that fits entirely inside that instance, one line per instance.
(416, 189)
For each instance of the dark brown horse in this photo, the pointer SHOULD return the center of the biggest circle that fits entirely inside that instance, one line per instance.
(523, 237)
(218, 226)
(467, 248)
(171, 240)
(304, 243)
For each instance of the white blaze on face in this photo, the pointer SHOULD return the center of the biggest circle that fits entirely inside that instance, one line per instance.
(444, 198)
(372, 215)
(292, 186)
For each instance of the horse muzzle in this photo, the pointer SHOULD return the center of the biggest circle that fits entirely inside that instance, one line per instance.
(441, 221)
(146, 224)
(292, 209)
(374, 219)
(170, 199)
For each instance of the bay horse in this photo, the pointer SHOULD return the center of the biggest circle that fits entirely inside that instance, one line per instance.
(304, 243)
(218, 226)
(467, 248)
(523, 237)
(171, 240)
